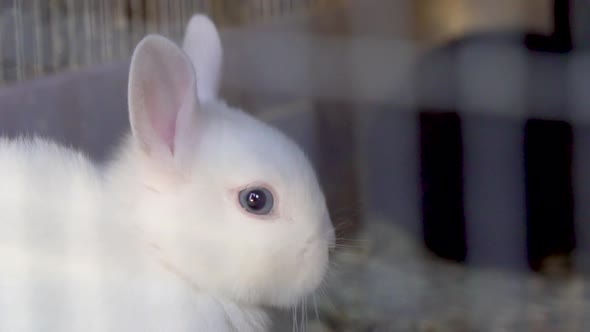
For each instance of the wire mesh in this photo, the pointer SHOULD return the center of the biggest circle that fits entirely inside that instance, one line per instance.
(39, 37)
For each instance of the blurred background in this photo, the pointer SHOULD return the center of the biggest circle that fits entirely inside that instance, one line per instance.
(451, 137)
(41, 37)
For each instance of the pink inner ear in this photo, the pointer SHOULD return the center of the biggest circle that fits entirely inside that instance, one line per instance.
(166, 129)
(162, 97)
(165, 99)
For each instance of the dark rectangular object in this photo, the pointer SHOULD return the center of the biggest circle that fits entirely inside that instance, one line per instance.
(442, 185)
(560, 41)
(549, 193)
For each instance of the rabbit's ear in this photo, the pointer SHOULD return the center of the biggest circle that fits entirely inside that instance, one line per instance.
(163, 104)
(203, 46)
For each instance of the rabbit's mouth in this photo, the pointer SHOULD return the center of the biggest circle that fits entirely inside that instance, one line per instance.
(314, 262)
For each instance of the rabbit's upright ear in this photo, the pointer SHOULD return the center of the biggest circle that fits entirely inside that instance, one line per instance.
(163, 104)
(203, 46)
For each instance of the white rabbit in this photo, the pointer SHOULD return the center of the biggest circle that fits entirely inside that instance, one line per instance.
(226, 201)
(203, 219)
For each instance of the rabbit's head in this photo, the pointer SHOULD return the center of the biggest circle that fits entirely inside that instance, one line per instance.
(226, 201)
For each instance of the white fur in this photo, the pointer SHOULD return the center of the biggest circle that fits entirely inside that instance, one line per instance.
(158, 241)
(203, 46)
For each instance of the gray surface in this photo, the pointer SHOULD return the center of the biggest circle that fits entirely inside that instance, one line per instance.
(389, 162)
(494, 191)
(580, 171)
(389, 283)
(86, 109)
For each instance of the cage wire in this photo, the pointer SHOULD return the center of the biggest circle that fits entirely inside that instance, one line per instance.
(41, 37)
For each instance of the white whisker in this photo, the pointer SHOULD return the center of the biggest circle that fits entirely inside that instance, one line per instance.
(302, 327)
(306, 316)
(293, 320)
(347, 240)
(315, 307)
(303, 315)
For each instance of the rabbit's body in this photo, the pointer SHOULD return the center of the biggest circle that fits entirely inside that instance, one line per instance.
(68, 263)
(50, 210)
(203, 218)
(49, 196)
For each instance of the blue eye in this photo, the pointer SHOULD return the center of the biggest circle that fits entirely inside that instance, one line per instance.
(256, 200)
